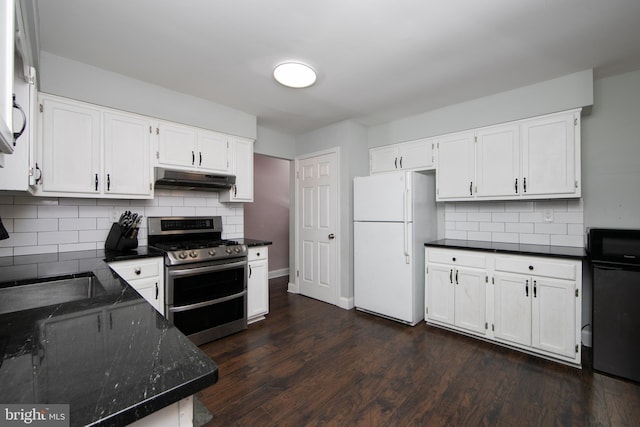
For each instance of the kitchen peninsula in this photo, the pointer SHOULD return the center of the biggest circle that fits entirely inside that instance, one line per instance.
(108, 354)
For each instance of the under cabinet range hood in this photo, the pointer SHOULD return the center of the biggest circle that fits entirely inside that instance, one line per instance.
(189, 180)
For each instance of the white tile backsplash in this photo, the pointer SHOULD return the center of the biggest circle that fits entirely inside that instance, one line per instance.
(38, 225)
(517, 222)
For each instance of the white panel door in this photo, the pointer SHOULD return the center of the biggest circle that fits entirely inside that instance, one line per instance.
(213, 151)
(381, 197)
(498, 161)
(127, 151)
(554, 316)
(71, 147)
(512, 308)
(176, 145)
(440, 293)
(470, 299)
(548, 158)
(456, 167)
(382, 278)
(317, 216)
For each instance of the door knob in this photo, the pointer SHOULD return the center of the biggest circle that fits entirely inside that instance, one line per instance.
(332, 236)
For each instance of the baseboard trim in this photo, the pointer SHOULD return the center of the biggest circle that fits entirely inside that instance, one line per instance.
(293, 288)
(278, 273)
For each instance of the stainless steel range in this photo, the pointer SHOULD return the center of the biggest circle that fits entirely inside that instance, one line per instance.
(205, 276)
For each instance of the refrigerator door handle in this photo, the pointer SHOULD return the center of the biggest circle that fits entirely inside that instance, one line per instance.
(406, 226)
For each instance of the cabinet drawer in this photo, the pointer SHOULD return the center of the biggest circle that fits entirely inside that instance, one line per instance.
(258, 252)
(546, 267)
(461, 258)
(138, 269)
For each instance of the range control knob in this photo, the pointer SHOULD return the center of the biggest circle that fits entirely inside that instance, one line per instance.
(236, 249)
(212, 252)
(193, 254)
(228, 251)
(182, 255)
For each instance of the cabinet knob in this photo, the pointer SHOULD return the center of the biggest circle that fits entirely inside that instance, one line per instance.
(257, 253)
(137, 270)
(453, 259)
(531, 267)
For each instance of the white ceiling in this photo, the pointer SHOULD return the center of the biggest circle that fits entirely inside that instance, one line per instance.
(377, 60)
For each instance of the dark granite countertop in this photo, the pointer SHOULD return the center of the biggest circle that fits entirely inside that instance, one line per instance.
(108, 353)
(255, 242)
(511, 248)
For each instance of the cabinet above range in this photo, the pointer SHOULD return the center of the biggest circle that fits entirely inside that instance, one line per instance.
(85, 150)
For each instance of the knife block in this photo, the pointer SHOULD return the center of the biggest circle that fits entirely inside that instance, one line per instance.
(117, 241)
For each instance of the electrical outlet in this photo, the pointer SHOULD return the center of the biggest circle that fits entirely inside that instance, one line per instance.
(114, 215)
(547, 215)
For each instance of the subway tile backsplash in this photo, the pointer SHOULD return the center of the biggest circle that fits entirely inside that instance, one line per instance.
(40, 225)
(549, 222)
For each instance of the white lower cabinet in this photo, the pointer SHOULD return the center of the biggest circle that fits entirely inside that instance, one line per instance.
(258, 286)
(456, 288)
(526, 302)
(145, 275)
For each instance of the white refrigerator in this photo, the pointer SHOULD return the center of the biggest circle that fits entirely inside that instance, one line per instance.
(394, 215)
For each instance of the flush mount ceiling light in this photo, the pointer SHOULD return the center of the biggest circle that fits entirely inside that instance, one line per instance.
(294, 74)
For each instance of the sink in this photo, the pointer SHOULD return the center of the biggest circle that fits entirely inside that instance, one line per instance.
(34, 293)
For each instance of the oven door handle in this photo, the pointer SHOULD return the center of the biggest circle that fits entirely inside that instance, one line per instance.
(206, 303)
(205, 269)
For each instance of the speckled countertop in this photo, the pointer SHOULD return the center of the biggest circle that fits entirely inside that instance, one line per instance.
(511, 248)
(109, 355)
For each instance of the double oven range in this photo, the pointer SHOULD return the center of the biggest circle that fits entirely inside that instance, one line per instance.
(205, 276)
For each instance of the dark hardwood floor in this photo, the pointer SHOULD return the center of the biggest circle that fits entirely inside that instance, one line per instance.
(310, 363)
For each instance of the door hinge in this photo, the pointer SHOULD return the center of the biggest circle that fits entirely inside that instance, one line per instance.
(475, 138)
(157, 155)
(486, 279)
(151, 129)
(577, 293)
(576, 183)
(493, 327)
(297, 174)
(157, 131)
(575, 121)
(41, 108)
(426, 310)
(150, 186)
(297, 273)
(426, 270)
(486, 325)
(493, 281)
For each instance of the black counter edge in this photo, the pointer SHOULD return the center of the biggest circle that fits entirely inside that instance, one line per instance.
(550, 251)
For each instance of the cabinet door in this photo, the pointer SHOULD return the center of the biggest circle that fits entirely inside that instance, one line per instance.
(512, 308)
(456, 167)
(470, 299)
(7, 32)
(258, 289)
(127, 149)
(242, 168)
(152, 290)
(549, 157)
(440, 293)
(554, 316)
(416, 154)
(213, 151)
(383, 159)
(498, 161)
(70, 147)
(176, 145)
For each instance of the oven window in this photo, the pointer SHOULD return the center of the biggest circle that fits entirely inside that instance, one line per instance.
(208, 286)
(203, 318)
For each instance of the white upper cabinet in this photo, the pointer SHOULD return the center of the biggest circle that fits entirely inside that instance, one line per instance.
(413, 155)
(536, 158)
(127, 163)
(455, 173)
(71, 147)
(551, 156)
(89, 151)
(242, 168)
(498, 161)
(7, 29)
(190, 148)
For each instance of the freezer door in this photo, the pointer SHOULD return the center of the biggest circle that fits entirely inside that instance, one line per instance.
(382, 278)
(382, 197)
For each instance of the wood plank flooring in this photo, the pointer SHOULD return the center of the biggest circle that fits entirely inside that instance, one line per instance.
(310, 363)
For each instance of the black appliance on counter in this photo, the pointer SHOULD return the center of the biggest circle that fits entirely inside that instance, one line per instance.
(615, 257)
(205, 276)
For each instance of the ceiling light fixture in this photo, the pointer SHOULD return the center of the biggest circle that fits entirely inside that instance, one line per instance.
(294, 74)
